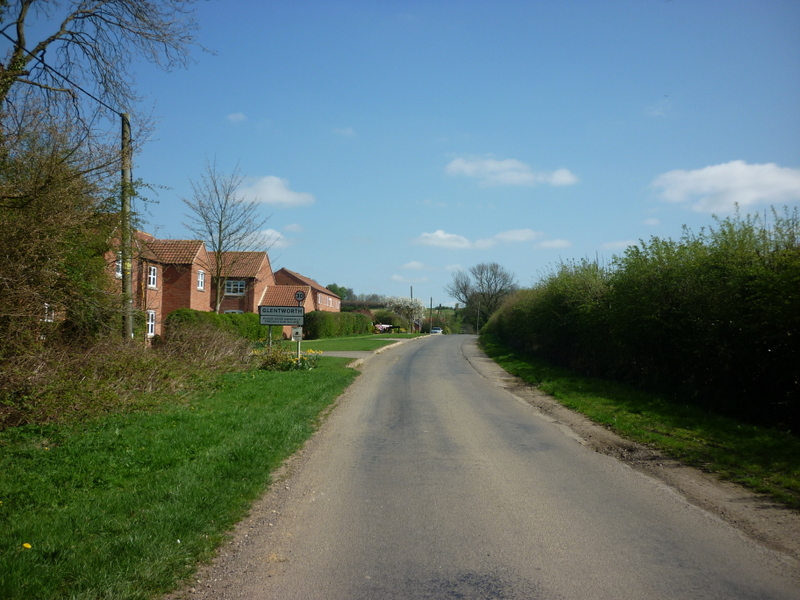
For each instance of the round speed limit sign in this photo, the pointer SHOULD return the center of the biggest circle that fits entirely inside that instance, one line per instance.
(300, 295)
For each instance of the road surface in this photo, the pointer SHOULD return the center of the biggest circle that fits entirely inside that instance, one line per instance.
(431, 481)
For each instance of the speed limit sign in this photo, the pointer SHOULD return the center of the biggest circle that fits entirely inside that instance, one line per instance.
(299, 295)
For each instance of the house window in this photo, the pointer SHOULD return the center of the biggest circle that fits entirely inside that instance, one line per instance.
(235, 287)
(118, 266)
(201, 280)
(152, 277)
(151, 323)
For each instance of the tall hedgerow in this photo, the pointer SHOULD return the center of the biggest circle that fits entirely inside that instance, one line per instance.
(713, 318)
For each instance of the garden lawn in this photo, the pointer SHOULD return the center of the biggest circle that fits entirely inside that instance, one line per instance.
(124, 506)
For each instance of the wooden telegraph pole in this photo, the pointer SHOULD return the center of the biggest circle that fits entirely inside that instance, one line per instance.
(125, 224)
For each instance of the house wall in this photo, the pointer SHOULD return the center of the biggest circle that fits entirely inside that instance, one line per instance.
(326, 303)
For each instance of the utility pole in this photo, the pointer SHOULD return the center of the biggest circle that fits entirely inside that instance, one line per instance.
(125, 225)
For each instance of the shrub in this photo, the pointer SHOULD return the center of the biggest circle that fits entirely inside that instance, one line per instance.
(320, 324)
(713, 318)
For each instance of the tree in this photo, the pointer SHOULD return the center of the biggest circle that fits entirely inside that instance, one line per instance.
(482, 289)
(225, 221)
(344, 293)
(89, 45)
(56, 226)
(410, 309)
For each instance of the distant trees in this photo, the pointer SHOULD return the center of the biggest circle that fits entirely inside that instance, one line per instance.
(225, 221)
(343, 292)
(482, 289)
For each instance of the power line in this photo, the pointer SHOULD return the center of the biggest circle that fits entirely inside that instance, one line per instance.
(62, 76)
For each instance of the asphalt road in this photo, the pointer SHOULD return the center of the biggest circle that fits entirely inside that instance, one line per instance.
(431, 481)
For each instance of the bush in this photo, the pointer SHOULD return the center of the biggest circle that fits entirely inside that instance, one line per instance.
(67, 383)
(320, 324)
(244, 325)
(713, 318)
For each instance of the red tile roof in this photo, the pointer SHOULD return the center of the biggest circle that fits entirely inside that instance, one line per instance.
(174, 252)
(240, 264)
(286, 277)
(283, 295)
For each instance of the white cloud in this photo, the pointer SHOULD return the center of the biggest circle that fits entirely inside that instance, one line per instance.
(401, 279)
(619, 245)
(554, 244)
(275, 190)
(237, 117)
(275, 239)
(345, 131)
(489, 171)
(719, 187)
(414, 265)
(441, 239)
(294, 228)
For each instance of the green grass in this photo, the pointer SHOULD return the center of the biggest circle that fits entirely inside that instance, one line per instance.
(762, 459)
(124, 506)
(355, 343)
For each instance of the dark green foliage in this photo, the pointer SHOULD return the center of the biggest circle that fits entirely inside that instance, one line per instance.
(245, 325)
(713, 318)
(320, 324)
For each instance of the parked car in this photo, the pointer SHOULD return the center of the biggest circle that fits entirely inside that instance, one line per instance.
(436, 330)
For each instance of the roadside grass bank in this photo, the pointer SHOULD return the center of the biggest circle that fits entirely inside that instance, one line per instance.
(358, 343)
(124, 506)
(762, 459)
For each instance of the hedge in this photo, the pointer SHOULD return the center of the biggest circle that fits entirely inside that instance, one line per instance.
(320, 324)
(713, 318)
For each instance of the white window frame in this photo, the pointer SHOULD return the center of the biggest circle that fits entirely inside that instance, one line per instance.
(118, 266)
(151, 323)
(241, 284)
(201, 281)
(152, 277)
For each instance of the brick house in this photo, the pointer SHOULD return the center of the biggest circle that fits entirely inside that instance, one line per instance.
(321, 297)
(248, 276)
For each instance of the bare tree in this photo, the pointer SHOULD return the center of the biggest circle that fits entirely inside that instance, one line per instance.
(225, 221)
(89, 45)
(483, 289)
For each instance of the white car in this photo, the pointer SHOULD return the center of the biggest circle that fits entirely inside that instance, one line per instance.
(435, 330)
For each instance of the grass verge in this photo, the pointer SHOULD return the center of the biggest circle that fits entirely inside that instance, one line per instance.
(124, 506)
(355, 343)
(762, 459)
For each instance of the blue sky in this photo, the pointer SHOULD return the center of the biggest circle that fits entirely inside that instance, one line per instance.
(394, 142)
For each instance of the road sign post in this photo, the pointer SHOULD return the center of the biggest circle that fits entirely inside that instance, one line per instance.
(281, 315)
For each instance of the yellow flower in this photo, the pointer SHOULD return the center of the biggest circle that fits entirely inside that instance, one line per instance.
(26, 545)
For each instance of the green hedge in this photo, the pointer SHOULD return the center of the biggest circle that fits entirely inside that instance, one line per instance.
(713, 318)
(245, 325)
(320, 324)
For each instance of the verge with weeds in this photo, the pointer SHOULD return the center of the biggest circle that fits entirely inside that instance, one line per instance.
(763, 459)
(124, 505)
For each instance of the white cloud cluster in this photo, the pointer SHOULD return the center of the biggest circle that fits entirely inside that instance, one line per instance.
(275, 239)
(442, 239)
(275, 190)
(719, 188)
(490, 171)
